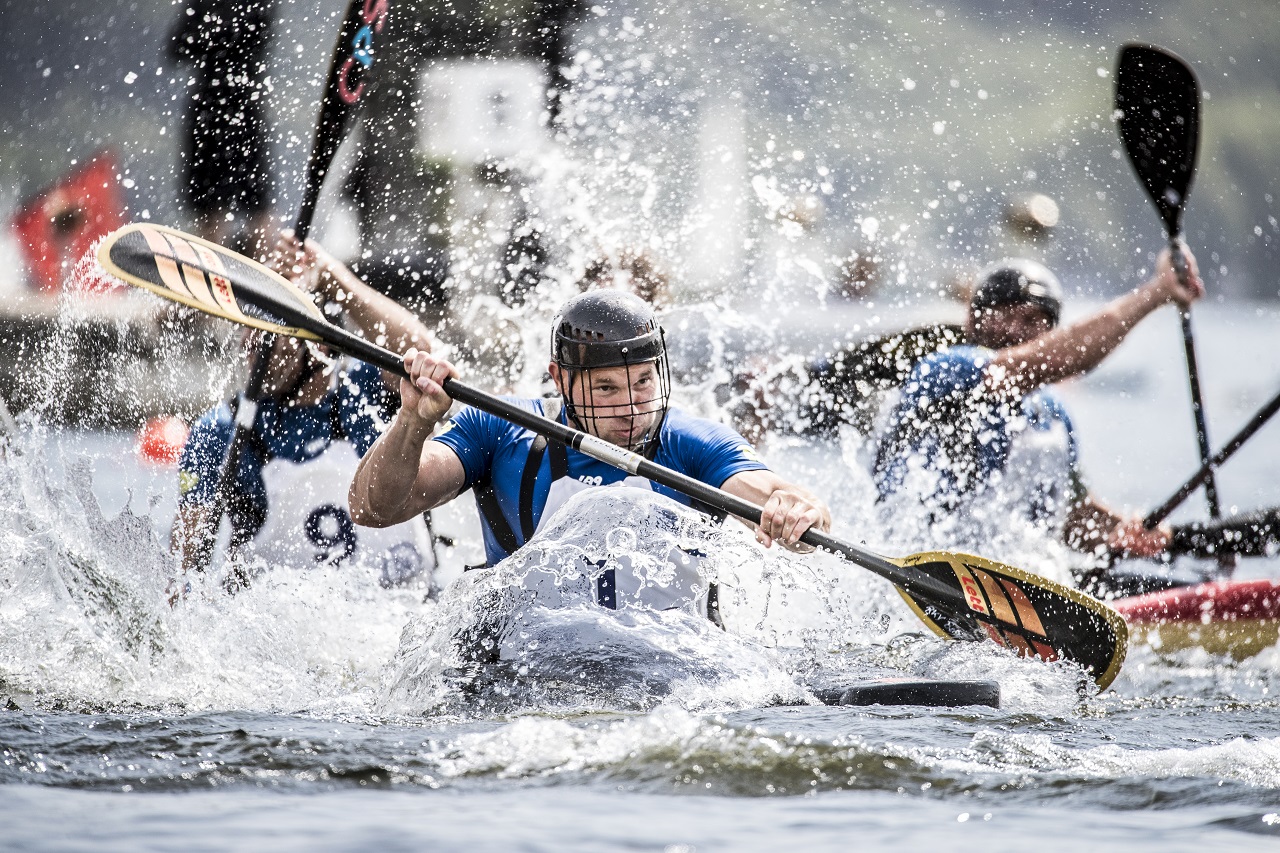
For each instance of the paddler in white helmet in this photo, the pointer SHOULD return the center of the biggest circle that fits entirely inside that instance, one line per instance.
(979, 421)
(609, 365)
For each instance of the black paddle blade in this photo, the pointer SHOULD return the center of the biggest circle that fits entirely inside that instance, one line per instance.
(926, 692)
(1158, 105)
(205, 276)
(1022, 612)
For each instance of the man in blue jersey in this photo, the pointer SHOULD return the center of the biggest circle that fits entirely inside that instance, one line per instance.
(609, 363)
(316, 418)
(978, 423)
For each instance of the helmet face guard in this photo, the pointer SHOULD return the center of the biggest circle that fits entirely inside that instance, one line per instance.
(614, 331)
(1019, 282)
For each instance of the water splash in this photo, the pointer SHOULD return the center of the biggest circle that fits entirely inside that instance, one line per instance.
(85, 621)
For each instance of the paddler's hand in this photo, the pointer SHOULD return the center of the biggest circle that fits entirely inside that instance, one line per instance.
(787, 514)
(177, 590)
(1170, 287)
(1130, 538)
(422, 395)
(304, 264)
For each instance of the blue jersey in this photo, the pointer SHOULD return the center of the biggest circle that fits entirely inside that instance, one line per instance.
(494, 455)
(357, 409)
(947, 425)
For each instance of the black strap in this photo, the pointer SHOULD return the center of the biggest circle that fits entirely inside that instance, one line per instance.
(487, 501)
(559, 461)
(532, 465)
(487, 498)
(551, 407)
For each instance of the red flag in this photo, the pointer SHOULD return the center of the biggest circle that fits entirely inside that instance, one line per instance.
(58, 226)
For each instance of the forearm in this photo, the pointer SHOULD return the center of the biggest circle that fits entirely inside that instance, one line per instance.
(1096, 530)
(1075, 349)
(382, 490)
(403, 475)
(1088, 527)
(376, 315)
(188, 539)
(787, 510)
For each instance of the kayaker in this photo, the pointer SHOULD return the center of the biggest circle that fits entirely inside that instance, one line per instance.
(318, 416)
(981, 420)
(609, 366)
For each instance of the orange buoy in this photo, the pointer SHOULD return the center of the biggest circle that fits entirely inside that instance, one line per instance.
(161, 439)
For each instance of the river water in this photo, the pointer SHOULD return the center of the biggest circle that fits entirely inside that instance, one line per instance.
(310, 713)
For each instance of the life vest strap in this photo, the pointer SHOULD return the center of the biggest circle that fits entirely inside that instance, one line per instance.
(487, 498)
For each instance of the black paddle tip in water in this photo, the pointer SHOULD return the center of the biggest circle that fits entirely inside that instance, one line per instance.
(924, 692)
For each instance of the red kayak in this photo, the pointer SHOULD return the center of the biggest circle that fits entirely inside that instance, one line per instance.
(1237, 618)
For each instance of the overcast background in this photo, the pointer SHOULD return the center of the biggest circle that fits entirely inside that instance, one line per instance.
(928, 117)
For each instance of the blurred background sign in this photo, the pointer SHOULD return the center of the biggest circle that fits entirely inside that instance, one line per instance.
(480, 110)
(59, 224)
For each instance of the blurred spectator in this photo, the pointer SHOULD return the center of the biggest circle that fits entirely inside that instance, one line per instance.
(629, 269)
(858, 275)
(60, 224)
(225, 179)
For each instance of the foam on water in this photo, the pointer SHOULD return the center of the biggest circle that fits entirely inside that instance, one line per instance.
(530, 630)
(85, 621)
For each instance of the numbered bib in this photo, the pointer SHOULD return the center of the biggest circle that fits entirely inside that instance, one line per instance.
(309, 523)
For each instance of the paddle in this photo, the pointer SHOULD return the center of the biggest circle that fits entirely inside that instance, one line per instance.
(1246, 432)
(1158, 100)
(957, 595)
(339, 106)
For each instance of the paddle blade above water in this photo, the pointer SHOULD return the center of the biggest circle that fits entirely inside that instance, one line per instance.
(205, 276)
(1026, 613)
(1158, 104)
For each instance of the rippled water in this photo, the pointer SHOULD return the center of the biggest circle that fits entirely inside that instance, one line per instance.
(313, 711)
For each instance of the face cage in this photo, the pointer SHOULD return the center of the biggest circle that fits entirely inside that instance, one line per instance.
(586, 415)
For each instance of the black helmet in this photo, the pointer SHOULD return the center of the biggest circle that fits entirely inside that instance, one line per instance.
(606, 328)
(610, 328)
(1017, 281)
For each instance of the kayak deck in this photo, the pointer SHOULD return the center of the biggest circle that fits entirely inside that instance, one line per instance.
(1236, 618)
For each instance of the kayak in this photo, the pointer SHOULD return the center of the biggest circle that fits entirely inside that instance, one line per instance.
(1236, 617)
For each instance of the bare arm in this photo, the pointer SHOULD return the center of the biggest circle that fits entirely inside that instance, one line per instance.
(788, 510)
(405, 473)
(189, 525)
(1078, 348)
(1094, 529)
(388, 323)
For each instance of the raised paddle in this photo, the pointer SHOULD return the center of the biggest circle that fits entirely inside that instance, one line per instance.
(957, 595)
(1246, 432)
(339, 106)
(1158, 107)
